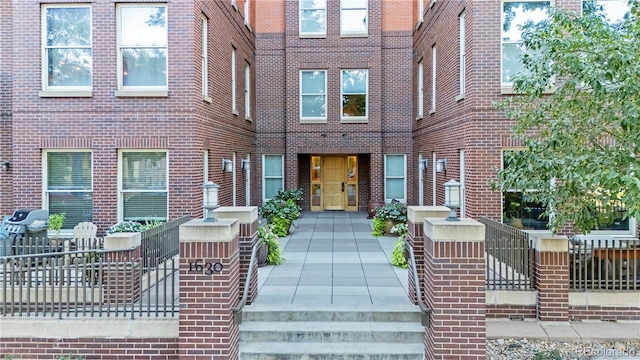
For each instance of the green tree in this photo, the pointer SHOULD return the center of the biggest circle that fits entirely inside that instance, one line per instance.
(577, 113)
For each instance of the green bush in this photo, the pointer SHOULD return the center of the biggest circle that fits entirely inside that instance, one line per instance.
(280, 226)
(395, 211)
(293, 194)
(285, 209)
(378, 227)
(397, 256)
(268, 237)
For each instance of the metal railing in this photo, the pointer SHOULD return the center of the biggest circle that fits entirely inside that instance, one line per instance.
(425, 311)
(161, 242)
(94, 283)
(510, 257)
(237, 310)
(604, 264)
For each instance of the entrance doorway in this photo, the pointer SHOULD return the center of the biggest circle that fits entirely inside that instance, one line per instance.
(334, 182)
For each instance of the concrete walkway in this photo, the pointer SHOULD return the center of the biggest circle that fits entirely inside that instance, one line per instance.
(332, 258)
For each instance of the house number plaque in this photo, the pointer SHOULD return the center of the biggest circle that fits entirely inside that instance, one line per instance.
(207, 268)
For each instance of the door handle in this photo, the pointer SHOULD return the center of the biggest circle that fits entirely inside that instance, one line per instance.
(342, 187)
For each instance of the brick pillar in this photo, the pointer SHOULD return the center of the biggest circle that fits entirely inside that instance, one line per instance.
(121, 270)
(454, 278)
(248, 217)
(551, 277)
(206, 327)
(415, 220)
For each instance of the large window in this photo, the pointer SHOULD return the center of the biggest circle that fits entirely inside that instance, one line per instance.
(67, 58)
(353, 17)
(395, 178)
(612, 10)
(354, 94)
(272, 175)
(514, 15)
(142, 47)
(68, 185)
(143, 185)
(313, 95)
(313, 17)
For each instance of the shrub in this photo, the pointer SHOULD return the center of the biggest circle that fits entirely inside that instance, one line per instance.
(285, 209)
(268, 237)
(280, 226)
(378, 227)
(394, 211)
(397, 256)
(293, 194)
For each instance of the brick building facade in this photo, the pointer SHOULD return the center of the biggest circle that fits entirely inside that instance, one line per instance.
(129, 132)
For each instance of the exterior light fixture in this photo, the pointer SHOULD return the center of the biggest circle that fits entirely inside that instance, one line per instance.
(452, 198)
(246, 165)
(227, 165)
(441, 165)
(6, 166)
(210, 200)
(423, 164)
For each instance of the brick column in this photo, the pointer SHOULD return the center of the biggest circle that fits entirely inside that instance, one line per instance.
(551, 277)
(121, 270)
(206, 328)
(248, 217)
(454, 278)
(415, 238)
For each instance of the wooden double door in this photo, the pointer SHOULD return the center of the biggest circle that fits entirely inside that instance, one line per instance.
(334, 182)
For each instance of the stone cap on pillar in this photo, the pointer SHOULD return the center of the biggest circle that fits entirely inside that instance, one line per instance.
(416, 214)
(245, 214)
(464, 230)
(122, 240)
(198, 230)
(550, 243)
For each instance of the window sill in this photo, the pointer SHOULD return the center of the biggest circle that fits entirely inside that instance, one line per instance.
(142, 93)
(235, 113)
(355, 35)
(66, 93)
(459, 97)
(312, 121)
(312, 36)
(350, 120)
(207, 99)
(419, 117)
(431, 3)
(249, 119)
(234, 4)
(248, 26)
(420, 22)
(508, 90)
(432, 111)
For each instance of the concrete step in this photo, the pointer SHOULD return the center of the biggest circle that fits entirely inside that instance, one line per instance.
(349, 313)
(337, 351)
(344, 331)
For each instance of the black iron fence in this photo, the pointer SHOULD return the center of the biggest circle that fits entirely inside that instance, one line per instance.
(161, 242)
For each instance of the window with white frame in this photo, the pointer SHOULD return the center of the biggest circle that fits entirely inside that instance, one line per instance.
(313, 17)
(234, 108)
(142, 47)
(613, 11)
(515, 14)
(246, 12)
(205, 58)
(420, 94)
(463, 53)
(313, 94)
(68, 185)
(354, 90)
(247, 91)
(143, 185)
(433, 79)
(272, 175)
(395, 178)
(420, 10)
(353, 17)
(67, 58)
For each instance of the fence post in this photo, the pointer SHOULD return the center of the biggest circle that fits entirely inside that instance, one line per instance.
(209, 264)
(248, 217)
(415, 237)
(551, 276)
(454, 280)
(120, 278)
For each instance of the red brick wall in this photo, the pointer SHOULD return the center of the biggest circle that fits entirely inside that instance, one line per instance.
(182, 123)
(6, 103)
(503, 311)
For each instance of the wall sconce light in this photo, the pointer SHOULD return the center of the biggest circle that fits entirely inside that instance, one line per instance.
(441, 165)
(452, 198)
(6, 166)
(246, 165)
(210, 200)
(227, 165)
(423, 164)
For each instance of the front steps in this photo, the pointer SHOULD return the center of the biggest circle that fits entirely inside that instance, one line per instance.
(372, 332)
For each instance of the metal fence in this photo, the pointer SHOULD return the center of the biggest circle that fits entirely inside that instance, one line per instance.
(510, 257)
(604, 264)
(161, 242)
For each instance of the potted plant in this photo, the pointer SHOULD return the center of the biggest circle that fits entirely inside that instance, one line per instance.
(392, 213)
(56, 221)
(280, 213)
(269, 252)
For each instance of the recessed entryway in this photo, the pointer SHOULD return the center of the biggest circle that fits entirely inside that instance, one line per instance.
(334, 182)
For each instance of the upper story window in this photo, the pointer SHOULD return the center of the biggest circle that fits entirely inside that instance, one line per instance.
(247, 91)
(353, 17)
(313, 95)
(234, 104)
(354, 92)
(204, 52)
(142, 48)
(313, 18)
(67, 58)
(420, 94)
(515, 14)
(463, 55)
(613, 11)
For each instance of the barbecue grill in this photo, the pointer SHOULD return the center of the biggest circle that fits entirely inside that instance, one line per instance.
(27, 231)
